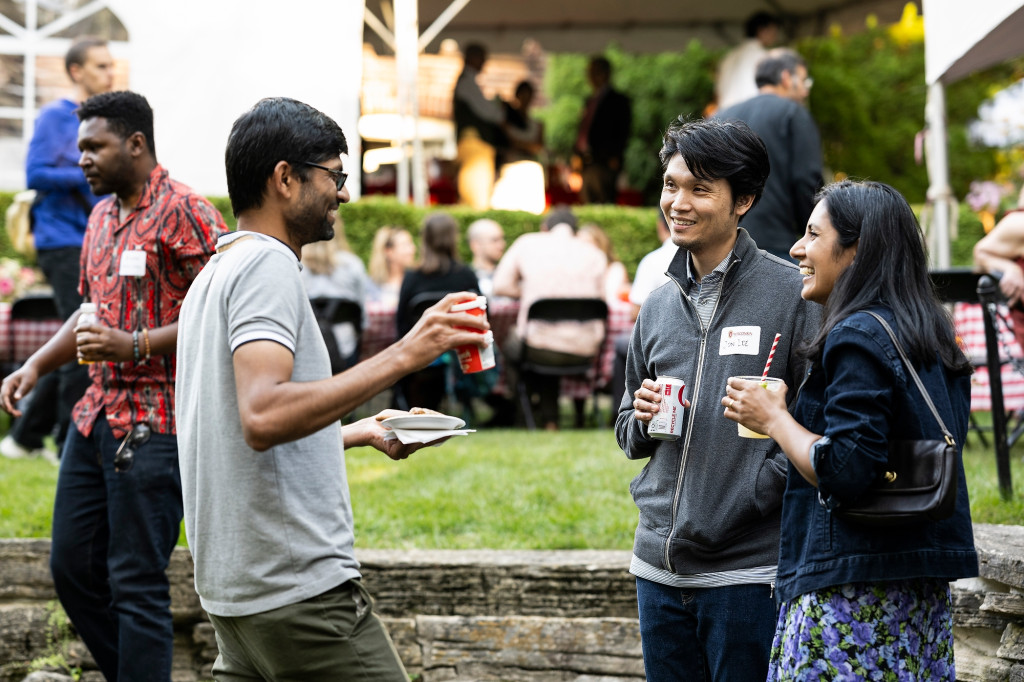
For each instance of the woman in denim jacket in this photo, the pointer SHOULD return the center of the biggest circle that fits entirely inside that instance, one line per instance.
(862, 602)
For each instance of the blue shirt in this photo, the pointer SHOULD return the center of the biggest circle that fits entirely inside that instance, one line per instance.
(59, 215)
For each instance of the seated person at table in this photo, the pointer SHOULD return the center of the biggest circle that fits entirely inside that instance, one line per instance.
(441, 272)
(487, 244)
(1001, 252)
(552, 263)
(616, 278)
(331, 270)
(392, 254)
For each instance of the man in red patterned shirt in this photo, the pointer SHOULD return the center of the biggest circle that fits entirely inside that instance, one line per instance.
(118, 506)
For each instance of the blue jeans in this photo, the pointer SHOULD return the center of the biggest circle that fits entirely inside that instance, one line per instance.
(720, 634)
(113, 534)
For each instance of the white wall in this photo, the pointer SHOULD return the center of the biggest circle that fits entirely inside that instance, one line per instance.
(202, 64)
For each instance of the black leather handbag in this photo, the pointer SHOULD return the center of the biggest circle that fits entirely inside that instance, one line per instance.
(920, 480)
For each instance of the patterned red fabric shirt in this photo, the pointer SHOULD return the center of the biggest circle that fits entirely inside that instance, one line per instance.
(178, 229)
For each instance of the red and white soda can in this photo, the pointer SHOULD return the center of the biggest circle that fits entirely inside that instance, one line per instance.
(473, 358)
(667, 423)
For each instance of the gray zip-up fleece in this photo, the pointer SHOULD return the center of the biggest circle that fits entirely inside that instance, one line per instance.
(710, 501)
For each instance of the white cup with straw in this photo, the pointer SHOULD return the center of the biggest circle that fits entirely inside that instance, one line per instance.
(766, 382)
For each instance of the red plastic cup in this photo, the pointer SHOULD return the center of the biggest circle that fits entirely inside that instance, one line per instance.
(473, 358)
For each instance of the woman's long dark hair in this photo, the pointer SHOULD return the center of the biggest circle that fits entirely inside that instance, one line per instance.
(890, 269)
(440, 239)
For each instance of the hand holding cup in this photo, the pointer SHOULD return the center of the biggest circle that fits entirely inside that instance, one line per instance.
(752, 401)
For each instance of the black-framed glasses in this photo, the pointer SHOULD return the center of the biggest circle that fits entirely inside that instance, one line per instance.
(340, 176)
(125, 455)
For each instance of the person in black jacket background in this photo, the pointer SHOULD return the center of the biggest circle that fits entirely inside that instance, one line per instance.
(603, 133)
(440, 272)
(778, 116)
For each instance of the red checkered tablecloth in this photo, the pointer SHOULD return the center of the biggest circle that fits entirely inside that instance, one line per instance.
(24, 337)
(501, 313)
(970, 327)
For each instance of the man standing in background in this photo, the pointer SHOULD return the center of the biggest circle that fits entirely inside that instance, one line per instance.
(59, 216)
(477, 130)
(602, 137)
(780, 118)
(736, 80)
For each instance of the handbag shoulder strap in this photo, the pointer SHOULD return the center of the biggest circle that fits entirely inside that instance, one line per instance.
(913, 373)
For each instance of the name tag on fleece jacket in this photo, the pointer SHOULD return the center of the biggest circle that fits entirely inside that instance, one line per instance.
(740, 341)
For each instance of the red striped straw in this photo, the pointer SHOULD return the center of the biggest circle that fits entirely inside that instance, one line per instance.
(771, 354)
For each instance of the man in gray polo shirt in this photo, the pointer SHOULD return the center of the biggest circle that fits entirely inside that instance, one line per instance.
(267, 509)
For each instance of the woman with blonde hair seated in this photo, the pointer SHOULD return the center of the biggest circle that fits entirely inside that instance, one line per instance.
(331, 270)
(392, 254)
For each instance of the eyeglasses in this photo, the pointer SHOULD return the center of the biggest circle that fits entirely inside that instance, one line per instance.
(340, 176)
(125, 455)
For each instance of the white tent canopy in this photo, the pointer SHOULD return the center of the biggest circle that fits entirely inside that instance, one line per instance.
(959, 40)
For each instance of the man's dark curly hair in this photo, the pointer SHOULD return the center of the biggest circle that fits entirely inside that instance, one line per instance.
(126, 113)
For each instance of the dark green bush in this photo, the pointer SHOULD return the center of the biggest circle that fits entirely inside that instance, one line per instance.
(632, 230)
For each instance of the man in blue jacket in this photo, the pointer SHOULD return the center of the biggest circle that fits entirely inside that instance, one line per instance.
(59, 216)
(706, 546)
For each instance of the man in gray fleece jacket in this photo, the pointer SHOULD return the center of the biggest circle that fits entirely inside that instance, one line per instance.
(706, 545)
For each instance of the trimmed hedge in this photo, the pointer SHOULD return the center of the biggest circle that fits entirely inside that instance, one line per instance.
(632, 230)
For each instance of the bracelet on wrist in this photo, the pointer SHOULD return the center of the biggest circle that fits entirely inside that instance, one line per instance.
(145, 338)
(135, 345)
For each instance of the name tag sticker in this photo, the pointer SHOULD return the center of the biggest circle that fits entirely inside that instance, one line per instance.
(133, 264)
(740, 341)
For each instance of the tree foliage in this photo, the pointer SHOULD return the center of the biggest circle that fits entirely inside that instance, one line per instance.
(868, 100)
(661, 86)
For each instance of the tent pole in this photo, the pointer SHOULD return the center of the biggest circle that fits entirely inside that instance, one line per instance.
(407, 63)
(939, 192)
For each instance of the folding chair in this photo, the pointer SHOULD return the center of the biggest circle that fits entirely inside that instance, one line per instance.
(960, 285)
(330, 311)
(437, 371)
(545, 363)
(30, 307)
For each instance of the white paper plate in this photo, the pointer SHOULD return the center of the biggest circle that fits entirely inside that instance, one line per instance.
(424, 421)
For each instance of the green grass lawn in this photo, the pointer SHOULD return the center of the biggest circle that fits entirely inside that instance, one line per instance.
(501, 489)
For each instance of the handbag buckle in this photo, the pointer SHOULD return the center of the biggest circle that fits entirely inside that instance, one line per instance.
(889, 476)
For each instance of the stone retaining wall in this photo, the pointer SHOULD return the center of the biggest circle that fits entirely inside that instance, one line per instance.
(494, 615)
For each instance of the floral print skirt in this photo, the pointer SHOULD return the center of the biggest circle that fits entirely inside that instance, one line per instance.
(900, 631)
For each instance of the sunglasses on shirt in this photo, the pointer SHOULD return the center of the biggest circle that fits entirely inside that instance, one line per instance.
(124, 458)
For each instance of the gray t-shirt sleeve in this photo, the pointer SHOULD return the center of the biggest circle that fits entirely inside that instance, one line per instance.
(266, 301)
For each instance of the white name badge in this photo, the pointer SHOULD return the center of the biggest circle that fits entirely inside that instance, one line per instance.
(133, 264)
(740, 341)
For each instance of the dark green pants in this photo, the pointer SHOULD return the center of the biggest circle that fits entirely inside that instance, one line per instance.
(333, 636)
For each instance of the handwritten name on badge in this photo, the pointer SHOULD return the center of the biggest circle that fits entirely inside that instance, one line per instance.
(133, 264)
(740, 341)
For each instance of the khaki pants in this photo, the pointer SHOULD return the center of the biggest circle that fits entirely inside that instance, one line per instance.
(333, 636)
(476, 171)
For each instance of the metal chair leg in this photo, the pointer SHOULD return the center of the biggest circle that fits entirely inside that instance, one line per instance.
(524, 404)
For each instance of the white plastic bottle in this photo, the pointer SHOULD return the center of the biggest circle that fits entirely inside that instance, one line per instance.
(86, 316)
